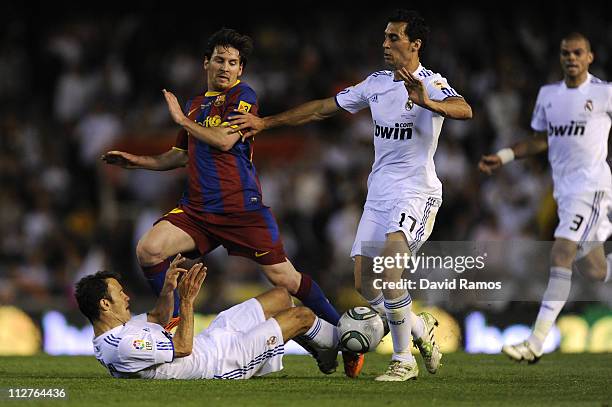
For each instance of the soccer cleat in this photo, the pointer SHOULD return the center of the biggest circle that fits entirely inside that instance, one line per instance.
(522, 351)
(399, 372)
(327, 360)
(427, 346)
(353, 363)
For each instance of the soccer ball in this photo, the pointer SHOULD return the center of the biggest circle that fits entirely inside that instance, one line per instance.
(360, 330)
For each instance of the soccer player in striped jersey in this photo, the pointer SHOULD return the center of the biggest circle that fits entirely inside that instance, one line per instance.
(222, 204)
(571, 120)
(244, 341)
(408, 105)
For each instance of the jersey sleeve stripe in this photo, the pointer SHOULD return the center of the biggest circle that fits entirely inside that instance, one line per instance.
(450, 92)
(111, 343)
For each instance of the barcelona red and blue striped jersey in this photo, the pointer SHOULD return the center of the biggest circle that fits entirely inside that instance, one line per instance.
(220, 181)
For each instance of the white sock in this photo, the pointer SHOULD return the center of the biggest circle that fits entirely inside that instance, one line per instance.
(555, 296)
(417, 328)
(398, 312)
(609, 268)
(321, 335)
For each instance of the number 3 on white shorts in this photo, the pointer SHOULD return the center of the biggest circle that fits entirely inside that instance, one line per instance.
(577, 222)
(403, 218)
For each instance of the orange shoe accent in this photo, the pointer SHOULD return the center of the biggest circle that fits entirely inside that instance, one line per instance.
(353, 363)
(172, 324)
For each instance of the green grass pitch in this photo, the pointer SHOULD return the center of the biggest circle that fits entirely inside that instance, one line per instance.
(488, 380)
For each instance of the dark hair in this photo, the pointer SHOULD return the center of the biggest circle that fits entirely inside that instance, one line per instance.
(416, 28)
(576, 36)
(90, 290)
(230, 37)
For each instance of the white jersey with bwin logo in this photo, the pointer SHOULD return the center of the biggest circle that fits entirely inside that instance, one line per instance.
(577, 121)
(238, 344)
(405, 135)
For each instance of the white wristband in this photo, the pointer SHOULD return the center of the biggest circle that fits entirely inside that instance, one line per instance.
(506, 155)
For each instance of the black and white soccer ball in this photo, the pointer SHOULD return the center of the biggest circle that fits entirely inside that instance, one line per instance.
(360, 329)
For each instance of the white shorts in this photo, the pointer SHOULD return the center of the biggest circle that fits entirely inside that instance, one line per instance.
(247, 344)
(584, 219)
(413, 216)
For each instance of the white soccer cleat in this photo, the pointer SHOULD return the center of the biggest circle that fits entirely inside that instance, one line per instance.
(522, 351)
(399, 372)
(427, 346)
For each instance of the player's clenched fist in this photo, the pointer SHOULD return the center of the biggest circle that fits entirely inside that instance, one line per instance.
(489, 163)
(190, 283)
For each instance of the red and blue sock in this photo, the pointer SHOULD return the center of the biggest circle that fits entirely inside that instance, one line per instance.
(155, 276)
(313, 297)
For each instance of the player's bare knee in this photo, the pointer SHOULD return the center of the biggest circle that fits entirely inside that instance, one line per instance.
(148, 252)
(562, 256)
(304, 316)
(282, 297)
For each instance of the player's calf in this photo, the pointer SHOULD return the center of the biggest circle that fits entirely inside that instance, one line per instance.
(283, 275)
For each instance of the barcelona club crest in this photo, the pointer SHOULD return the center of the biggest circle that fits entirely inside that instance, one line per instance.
(219, 101)
(409, 105)
(588, 106)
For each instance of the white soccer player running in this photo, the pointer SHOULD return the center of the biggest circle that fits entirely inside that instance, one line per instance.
(572, 120)
(408, 105)
(244, 341)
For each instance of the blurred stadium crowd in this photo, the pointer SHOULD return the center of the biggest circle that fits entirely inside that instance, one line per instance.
(73, 88)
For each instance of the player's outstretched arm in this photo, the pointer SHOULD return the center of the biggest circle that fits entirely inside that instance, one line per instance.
(188, 287)
(169, 160)
(164, 306)
(315, 110)
(534, 145)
